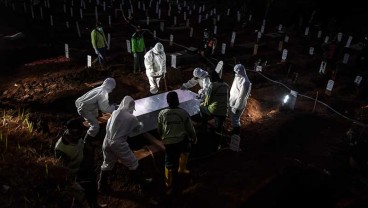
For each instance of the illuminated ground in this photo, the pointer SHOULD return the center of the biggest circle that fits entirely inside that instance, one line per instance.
(296, 158)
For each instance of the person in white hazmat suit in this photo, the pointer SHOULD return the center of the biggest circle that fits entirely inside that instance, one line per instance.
(120, 125)
(155, 63)
(239, 94)
(90, 103)
(200, 77)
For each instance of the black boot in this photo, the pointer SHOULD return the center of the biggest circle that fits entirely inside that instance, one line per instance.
(236, 131)
(137, 177)
(103, 184)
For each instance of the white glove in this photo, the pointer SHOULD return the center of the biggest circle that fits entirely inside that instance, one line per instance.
(233, 110)
(96, 51)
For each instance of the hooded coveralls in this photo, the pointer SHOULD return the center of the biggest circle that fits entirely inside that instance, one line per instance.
(239, 94)
(199, 77)
(115, 146)
(94, 100)
(155, 63)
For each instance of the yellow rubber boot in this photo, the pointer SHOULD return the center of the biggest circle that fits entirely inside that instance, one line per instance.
(168, 178)
(183, 163)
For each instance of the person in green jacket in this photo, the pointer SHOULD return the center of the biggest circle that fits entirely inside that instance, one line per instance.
(81, 178)
(177, 133)
(138, 49)
(215, 103)
(99, 43)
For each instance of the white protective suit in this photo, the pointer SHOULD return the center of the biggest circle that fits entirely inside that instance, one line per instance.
(240, 89)
(94, 100)
(119, 126)
(155, 63)
(200, 77)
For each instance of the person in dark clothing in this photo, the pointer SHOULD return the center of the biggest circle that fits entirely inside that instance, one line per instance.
(177, 132)
(70, 150)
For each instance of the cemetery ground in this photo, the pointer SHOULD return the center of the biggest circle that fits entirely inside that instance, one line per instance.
(287, 158)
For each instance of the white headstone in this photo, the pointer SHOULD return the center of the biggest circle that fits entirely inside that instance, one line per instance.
(78, 30)
(173, 60)
(286, 39)
(264, 22)
(89, 61)
(159, 14)
(51, 21)
(64, 8)
(108, 40)
(326, 39)
(215, 29)
(284, 54)
(233, 36)
(148, 20)
(358, 80)
(235, 143)
(259, 35)
(228, 12)
(255, 49)
(280, 27)
(311, 51)
(322, 68)
(67, 24)
(319, 35)
(250, 17)
(154, 34)
(330, 85)
(171, 39)
(104, 6)
(81, 13)
(32, 12)
(349, 41)
(66, 51)
(128, 46)
(219, 68)
(96, 13)
(223, 48)
(306, 32)
(41, 13)
(339, 37)
(218, 17)
(238, 16)
(345, 60)
(262, 28)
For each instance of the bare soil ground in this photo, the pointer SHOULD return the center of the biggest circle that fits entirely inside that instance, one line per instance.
(288, 158)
